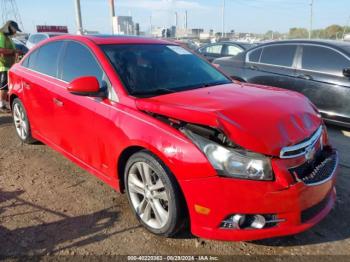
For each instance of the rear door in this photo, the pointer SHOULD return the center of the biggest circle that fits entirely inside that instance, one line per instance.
(39, 84)
(321, 79)
(273, 65)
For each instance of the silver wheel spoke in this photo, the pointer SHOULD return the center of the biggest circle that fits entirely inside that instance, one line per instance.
(23, 135)
(140, 209)
(161, 215)
(145, 172)
(146, 215)
(16, 112)
(161, 195)
(136, 184)
(159, 185)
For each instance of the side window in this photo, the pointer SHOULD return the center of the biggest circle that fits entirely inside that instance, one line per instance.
(213, 49)
(29, 62)
(46, 60)
(281, 55)
(254, 56)
(38, 38)
(233, 50)
(323, 59)
(78, 61)
(31, 39)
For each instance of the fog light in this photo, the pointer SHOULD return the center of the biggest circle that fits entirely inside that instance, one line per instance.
(234, 221)
(254, 221)
(259, 222)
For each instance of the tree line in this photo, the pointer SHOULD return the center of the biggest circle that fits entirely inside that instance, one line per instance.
(335, 32)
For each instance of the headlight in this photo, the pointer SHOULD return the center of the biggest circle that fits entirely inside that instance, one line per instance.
(233, 163)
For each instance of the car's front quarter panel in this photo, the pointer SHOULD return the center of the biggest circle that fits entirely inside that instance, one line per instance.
(178, 153)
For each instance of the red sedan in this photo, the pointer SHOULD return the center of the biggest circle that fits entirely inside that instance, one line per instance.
(185, 142)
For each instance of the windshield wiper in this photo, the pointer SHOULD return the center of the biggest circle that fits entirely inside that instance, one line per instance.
(214, 83)
(152, 92)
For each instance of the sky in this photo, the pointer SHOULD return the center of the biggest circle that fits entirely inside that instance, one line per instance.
(255, 16)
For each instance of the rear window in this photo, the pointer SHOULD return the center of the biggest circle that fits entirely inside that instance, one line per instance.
(45, 59)
(281, 55)
(324, 60)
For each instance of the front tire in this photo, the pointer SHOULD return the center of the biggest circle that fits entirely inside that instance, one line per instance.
(21, 122)
(154, 194)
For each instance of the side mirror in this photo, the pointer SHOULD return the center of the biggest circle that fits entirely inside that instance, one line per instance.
(346, 72)
(85, 86)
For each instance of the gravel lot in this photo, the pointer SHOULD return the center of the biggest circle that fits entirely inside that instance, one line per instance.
(50, 206)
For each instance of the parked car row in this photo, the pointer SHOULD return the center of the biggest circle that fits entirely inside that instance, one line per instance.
(318, 69)
(223, 49)
(186, 143)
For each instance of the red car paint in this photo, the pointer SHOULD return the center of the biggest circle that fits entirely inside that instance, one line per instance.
(95, 133)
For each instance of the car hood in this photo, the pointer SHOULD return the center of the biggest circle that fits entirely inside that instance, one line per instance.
(258, 118)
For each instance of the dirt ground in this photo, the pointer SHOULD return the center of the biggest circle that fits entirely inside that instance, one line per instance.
(50, 206)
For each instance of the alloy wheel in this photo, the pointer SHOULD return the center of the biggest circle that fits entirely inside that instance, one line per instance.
(20, 121)
(148, 195)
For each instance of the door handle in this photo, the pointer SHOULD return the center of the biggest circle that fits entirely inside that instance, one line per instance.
(306, 77)
(58, 102)
(253, 67)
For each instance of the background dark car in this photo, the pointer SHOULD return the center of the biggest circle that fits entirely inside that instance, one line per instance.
(20, 46)
(318, 69)
(223, 49)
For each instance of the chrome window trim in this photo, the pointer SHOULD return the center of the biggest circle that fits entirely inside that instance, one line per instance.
(309, 143)
(332, 113)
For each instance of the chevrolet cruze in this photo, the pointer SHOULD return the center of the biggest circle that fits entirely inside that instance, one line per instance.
(184, 141)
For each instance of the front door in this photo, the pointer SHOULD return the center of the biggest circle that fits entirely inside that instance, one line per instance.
(83, 119)
(275, 66)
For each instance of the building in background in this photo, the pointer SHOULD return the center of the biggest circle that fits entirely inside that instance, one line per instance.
(124, 25)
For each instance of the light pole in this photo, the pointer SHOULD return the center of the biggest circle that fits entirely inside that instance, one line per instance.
(79, 22)
(223, 18)
(311, 17)
(111, 3)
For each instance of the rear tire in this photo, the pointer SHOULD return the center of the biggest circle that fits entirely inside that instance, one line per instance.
(21, 122)
(154, 194)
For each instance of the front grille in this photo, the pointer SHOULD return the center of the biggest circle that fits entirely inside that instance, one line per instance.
(303, 147)
(318, 170)
(313, 211)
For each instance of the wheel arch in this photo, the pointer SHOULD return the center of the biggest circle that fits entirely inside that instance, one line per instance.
(11, 98)
(133, 148)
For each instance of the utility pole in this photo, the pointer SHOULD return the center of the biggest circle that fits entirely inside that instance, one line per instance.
(311, 17)
(186, 20)
(78, 18)
(111, 4)
(223, 18)
(150, 25)
(10, 11)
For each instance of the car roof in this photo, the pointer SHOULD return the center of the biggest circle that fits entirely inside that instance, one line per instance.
(344, 46)
(118, 39)
(110, 39)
